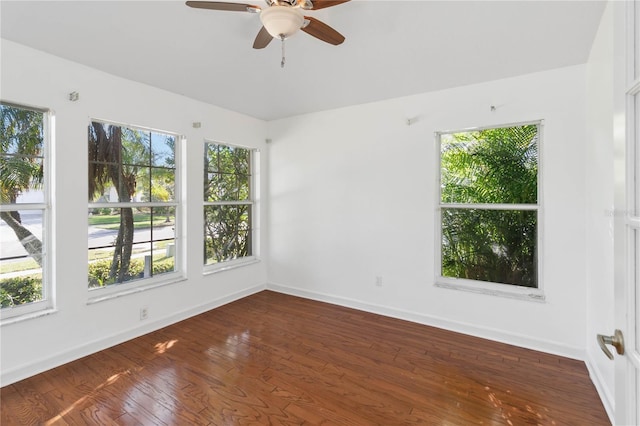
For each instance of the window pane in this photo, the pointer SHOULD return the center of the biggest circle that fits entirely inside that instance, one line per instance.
(211, 157)
(22, 131)
(227, 232)
(227, 173)
(128, 243)
(497, 246)
(164, 239)
(21, 257)
(241, 160)
(121, 165)
(163, 150)
(22, 179)
(227, 187)
(211, 183)
(21, 155)
(243, 182)
(136, 147)
(498, 166)
(143, 185)
(162, 184)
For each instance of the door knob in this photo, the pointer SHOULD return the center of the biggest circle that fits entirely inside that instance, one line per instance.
(617, 341)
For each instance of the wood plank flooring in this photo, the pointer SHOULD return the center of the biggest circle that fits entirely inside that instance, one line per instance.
(272, 359)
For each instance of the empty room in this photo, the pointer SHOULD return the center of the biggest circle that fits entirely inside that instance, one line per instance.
(320, 212)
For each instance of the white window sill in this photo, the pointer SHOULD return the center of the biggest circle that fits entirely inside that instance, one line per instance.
(492, 289)
(226, 266)
(115, 291)
(27, 316)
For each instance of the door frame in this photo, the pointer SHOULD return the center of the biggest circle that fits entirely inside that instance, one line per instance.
(626, 202)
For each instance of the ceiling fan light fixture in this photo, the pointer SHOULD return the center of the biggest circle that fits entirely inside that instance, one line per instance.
(281, 21)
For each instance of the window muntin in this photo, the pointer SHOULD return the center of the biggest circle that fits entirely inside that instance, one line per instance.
(133, 210)
(488, 205)
(24, 210)
(228, 203)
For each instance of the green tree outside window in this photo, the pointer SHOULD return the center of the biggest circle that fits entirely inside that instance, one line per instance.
(22, 181)
(228, 203)
(489, 205)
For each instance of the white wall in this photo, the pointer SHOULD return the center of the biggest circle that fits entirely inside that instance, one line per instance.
(600, 207)
(352, 197)
(77, 328)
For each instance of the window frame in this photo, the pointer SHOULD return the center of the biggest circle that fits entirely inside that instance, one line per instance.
(47, 304)
(254, 156)
(484, 287)
(98, 294)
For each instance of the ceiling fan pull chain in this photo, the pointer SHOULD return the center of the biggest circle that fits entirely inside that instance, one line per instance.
(282, 63)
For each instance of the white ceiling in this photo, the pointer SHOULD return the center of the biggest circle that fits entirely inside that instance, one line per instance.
(392, 48)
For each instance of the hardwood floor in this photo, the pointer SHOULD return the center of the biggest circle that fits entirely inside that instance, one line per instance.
(277, 359)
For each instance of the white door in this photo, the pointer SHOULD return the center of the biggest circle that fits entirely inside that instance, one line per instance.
(627, 219)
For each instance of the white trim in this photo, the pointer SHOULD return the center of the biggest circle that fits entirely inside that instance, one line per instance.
(229, 203)
(480, 206)
(521, 340)
(604, 392)
(10, 315)
(633, 222)
(48, 362)
(634, 89)
(490, 288)
(25, 106)
(114, 291)
(232, 145)
(214, 268)
(627, 160)
(47, 304)
(134, 204)
(24, 206)
(134, 127)
(497, 126)
(41, 312)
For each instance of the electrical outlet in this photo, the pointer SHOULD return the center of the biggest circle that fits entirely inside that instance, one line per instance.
(378, 281)
(144, 313)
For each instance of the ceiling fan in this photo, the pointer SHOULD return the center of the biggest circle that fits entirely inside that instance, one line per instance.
(281, 19)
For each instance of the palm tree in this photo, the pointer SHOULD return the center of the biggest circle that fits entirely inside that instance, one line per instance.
(492, 166)
(21, 167)
(106, 167)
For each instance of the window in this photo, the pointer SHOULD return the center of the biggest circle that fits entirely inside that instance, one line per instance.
(489, 206)
(228, 203)
(24, 210)
(133, 207)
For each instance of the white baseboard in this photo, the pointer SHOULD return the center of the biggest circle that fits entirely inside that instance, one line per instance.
(55, 360)
(551, 347)
(603, 390)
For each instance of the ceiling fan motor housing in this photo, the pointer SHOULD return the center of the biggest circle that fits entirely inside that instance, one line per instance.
(282, 21)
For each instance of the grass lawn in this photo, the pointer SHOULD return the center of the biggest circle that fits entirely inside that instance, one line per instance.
(20, 265)
(108, 254)
(140, 221)
(30, 264)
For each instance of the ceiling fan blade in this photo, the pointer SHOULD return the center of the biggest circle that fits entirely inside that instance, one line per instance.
(262, 39)
(219, 5)
(322, 31)
(321, 4)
